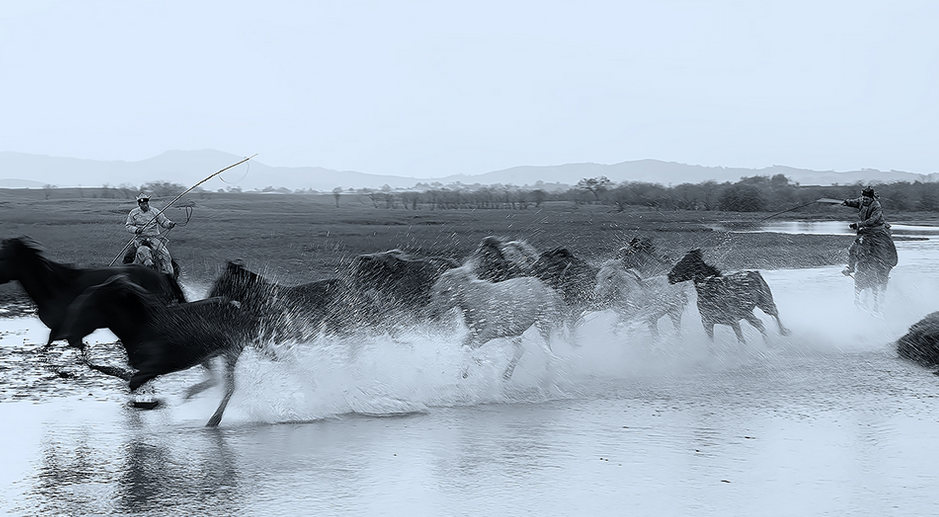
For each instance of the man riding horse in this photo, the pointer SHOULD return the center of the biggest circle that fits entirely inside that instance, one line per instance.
(145, 223)
(870, 224)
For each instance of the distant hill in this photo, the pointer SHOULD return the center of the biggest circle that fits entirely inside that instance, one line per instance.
(184, 168)
(189, 167)
(671, 173)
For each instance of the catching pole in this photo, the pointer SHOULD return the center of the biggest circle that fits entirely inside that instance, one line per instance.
(175, 199)
(821, 200)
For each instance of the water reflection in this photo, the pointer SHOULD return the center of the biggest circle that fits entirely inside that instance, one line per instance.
(820, 228)
(160, 476)
(131, 469)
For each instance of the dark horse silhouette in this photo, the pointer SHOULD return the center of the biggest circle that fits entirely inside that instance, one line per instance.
(282, 312)
(876, 256)
(53, 286)
(726, 299)
(161, 339)
(921, 343)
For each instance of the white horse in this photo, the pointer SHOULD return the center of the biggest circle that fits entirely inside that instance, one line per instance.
(635, 298)
(496, 310)
(497, 259)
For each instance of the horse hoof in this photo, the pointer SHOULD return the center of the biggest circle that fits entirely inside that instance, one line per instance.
(145, 403)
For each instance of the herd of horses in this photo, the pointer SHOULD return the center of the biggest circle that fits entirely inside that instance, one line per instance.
(503, 288)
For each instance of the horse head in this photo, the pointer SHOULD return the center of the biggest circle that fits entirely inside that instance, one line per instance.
(237, 282)
(498, 259)
(691, 266)
(13, 256)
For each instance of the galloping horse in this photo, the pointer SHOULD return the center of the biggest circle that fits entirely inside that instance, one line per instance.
(281, 311)
(634, 297)
(726, 299)
(161, 339)
(921, 343)
(876, 256)
(53, 286)
(497, 259)
(496, 310)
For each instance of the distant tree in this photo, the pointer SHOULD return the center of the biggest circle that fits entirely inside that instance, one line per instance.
(538, 196)
(47, 190)
(742, 198)
(162, 188)
(336, 193)
(595, 186)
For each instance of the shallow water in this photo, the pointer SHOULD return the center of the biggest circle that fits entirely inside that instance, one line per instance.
(826, 421)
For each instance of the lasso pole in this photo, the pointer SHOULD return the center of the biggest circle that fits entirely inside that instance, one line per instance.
(175, 199)
(822, 200)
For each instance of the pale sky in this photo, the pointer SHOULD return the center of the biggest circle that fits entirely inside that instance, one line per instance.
(429, 88)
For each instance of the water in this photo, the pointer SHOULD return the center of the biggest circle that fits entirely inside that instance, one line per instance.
(826, 421)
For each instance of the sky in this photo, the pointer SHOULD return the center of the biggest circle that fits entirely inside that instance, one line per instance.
(430, 88)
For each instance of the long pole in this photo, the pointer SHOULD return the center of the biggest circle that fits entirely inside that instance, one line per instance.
(822, 200)
(175, 199)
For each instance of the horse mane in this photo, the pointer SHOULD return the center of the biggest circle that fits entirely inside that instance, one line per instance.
(709, 269)
(23, 243)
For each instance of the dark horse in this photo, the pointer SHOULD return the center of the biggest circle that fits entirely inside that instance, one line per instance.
(726, 299)
(161, 339)
(921, 343)
(53, 286)
(876, 256)
(282, 312)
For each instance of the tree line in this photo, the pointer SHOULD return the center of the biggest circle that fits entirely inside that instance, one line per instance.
(750, 194)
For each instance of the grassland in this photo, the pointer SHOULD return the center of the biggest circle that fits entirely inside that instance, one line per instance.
(305, 237)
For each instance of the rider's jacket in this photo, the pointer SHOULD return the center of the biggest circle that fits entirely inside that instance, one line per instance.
(137, 218)
(870, 217)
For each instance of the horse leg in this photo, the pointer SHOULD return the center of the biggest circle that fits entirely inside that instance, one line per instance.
(470, 343)
(517, 354)
(653, 323)
(230, 362)
(757, 323)
(771, 309)
(738, 331)
(113, 371)
(709, 329)
(675, 316)
(198, 388)
(545, 328)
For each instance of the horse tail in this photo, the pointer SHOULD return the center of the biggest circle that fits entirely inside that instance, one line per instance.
(764, 296)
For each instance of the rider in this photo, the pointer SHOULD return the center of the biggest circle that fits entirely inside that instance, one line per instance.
(140, 221)
(870, 220)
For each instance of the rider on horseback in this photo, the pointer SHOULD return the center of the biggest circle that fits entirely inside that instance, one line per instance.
(870, 221)
(140, 221)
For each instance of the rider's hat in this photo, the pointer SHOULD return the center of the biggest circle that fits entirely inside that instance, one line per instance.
(143, 197)
(868, 192)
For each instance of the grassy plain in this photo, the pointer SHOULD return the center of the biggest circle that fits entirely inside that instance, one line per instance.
(298, 238)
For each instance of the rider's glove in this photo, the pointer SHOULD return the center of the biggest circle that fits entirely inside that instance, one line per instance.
(853, 226)
(171, 225)
(138, 231)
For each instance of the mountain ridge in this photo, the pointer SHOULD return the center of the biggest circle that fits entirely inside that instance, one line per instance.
(189, 167)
